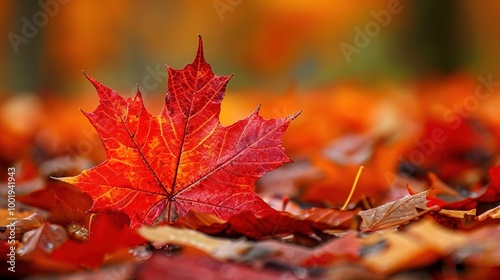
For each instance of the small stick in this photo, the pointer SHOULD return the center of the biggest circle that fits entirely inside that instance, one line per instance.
(353, 187)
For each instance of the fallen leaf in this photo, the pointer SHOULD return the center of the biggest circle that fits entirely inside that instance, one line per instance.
(64, 212)
(109, 232)
(402, 252)
(246, 223)
(327, 218)
(227, 249)
(275, 223)
(491, 214)
(438, 238)
(422, 244)
(350, 150)
(481, 248)
(162, 235)
(457, 213)
(285, 180)
(194, 267)
(53, 192)
(395, 213)
(345, 248)
(459, 154)
(281, 203)
(219, 248)
(184, 158)
(446, 197)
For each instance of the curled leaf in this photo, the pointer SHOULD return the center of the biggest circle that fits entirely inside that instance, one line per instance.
(395, 213)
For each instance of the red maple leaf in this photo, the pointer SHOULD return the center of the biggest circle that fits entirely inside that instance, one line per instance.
(275, 223)
(49, 248)
(109, 232)
(447, 197)
(345, 248)
(184, 158)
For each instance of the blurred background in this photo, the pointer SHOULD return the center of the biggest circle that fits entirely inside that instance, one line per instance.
(371, 80)
(265, 43)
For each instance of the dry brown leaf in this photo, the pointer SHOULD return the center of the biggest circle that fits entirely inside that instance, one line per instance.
(457, 213)
(395, 213)
(492, 214)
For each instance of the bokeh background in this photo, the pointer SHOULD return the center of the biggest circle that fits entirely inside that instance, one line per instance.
(265, 43)
(286, 55)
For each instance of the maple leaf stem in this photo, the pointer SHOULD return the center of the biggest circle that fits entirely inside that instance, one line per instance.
(169, 208)
(353, 187)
